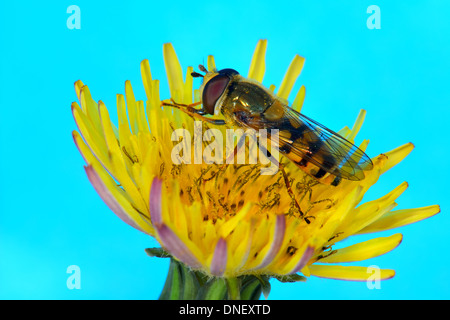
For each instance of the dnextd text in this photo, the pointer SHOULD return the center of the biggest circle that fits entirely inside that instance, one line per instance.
(246, 309)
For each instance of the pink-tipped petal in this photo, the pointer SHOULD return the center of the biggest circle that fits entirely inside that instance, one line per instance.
(80, 149)
(108, 198)
(169, 240)
(176, 247)
(219, 261)
(74, 136)
(155, 202)
(304, 260)
(280, 228)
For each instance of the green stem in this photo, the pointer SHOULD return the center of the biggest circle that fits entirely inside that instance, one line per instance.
(233, 285)
(173, 287)
(182, 283)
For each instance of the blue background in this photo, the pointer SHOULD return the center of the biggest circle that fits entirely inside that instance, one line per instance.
(52, 218)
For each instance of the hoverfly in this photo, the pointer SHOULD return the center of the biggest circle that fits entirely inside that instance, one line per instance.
(245, 103)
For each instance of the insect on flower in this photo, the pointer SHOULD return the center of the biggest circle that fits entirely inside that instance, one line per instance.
(235, 224)
(245, 103)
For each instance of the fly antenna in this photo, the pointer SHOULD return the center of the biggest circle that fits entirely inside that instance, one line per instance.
(196, 74)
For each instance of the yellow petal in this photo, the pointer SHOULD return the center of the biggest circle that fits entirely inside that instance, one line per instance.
(122, 112)
(231, 224)
(78, 85)
(291, 76)
(258, 64)
(345, 132)
(305, 271)
(131, 107)
(211, 66)
(93, 137)
(85, 151)
(196, 95)
(370, 211)
(121, 196)
(399, 218)
(357, 126)
(146, 78)
(90, 107)
(187, 90)
(298, 101)
(348, 273)
(364, 250)
(155, 101)
(195, 219)
(240, 240)
(397, 155)
(110, 137)
(141, 119)
(118, 201)
(174, 72)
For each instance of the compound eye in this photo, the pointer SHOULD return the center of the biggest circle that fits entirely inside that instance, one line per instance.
(213, 90)
(228, 72)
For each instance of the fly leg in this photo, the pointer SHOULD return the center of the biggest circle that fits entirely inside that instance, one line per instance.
(185, 105)
(291, 193)
(191, 111)
(307, 185)
(286, 182)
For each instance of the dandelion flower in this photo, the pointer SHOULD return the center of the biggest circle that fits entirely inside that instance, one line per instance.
(229, 228)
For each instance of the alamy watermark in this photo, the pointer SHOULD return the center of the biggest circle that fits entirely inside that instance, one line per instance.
(190, 150)
(374, 20)
(374, 279)
(74, 20)
(74, 280)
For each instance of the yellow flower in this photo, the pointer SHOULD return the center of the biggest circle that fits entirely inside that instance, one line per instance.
(231, 220)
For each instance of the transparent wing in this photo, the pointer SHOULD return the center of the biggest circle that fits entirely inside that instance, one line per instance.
(313, 142)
